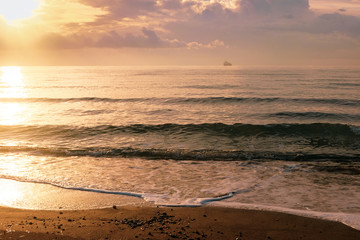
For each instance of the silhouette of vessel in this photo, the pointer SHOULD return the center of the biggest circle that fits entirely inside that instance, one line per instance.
(226, 63)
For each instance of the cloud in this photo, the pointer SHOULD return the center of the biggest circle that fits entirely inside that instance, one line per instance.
(351, 7)
(337, 23)
(58, 41)
(171, 4)
(118, 9)
(274, 7)
(211, 45)
(147, 39)
(194, 23)
(10, 38)
(262, 29)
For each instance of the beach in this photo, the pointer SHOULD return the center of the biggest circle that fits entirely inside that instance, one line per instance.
(166, 223)
(187, 152)
(183, 119)
(41, 211)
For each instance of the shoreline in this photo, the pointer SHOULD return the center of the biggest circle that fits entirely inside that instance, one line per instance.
(136, 222)
(43, 211)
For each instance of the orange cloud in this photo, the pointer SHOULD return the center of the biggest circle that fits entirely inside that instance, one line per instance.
(261, 29)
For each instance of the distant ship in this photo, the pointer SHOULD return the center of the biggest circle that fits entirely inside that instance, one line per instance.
(226, 63)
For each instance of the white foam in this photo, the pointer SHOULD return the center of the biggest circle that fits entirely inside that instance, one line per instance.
(26, 195)
(163, 200)
(351, 220)
(45, 196)
(356, 130)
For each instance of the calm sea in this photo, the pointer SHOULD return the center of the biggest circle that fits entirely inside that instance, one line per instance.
(286, 138)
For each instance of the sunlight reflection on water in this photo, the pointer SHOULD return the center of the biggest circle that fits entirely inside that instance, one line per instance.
(11, 86)
(10, 193)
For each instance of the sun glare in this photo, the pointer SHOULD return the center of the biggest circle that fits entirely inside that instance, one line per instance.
(13, 10)
(11, 76)
(11, 193)
(12, 86)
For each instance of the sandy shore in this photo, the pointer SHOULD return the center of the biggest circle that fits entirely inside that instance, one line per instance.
(166, 223)
(134, 218)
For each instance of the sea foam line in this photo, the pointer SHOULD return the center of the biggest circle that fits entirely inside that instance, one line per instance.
(351, 220)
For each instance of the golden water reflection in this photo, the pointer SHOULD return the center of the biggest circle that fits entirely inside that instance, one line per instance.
(12, 77)
(12, 87)
(11, 193)
(47, 197)
(11, 114)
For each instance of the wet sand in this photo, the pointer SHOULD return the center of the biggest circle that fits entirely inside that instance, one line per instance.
(131, 222)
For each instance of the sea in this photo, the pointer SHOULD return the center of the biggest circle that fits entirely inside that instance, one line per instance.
(263, 138)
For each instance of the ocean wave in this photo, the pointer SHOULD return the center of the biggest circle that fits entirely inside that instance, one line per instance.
(181, 100)
(221, 87)
(179, 154)
(346, 84)
(315, 115)
(216, 129)
(294, 142)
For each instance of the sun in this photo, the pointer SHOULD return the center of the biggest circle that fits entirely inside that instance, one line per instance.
(13, 10)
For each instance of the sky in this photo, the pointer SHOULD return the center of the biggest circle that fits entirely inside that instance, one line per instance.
(180, 32)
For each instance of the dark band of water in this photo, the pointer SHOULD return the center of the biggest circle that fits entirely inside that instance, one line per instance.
(207, 100)
(216, 129)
